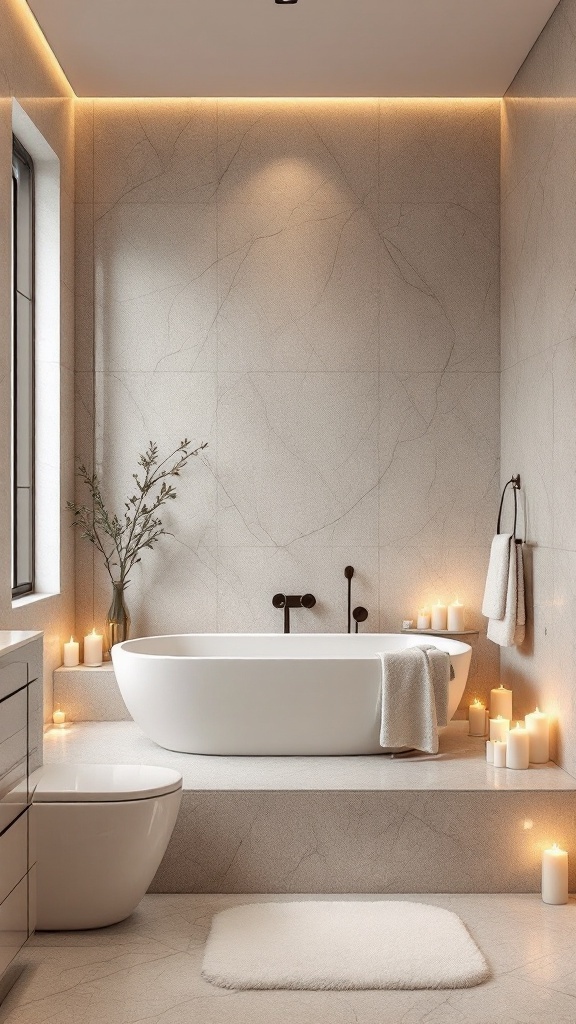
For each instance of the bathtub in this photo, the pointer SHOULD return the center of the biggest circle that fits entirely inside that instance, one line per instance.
(268, 694)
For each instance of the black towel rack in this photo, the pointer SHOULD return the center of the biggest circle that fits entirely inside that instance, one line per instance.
(513, 482)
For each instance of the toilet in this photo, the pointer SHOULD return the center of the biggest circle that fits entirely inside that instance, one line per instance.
(100, 832)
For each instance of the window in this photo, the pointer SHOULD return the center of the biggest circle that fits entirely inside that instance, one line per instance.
(22, 372)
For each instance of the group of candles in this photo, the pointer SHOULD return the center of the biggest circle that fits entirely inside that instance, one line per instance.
(92, 651)
(518, 748)
(525, 744)
(442, 617)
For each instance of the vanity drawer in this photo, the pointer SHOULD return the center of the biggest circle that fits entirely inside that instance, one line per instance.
(13, 734)
(12, 677)
(13, 923)
(13, 855)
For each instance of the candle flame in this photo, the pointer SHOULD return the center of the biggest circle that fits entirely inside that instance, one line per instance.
(71, 640)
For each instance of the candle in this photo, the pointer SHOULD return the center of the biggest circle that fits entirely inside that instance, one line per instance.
(456, 617)
(490, 751)
(477, 719)
(538, 726)
(499, 728)
(518, 749)
(439, 616)
(71, 653)
(500, 747)
(93, 649)
(501, 702)
(555, 876)
(423, 619)
(59, 717)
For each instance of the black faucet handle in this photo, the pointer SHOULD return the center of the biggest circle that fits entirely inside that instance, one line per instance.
(279, 600)
(308, 601)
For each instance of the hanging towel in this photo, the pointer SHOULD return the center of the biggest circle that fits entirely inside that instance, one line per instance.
(414, 697)
(509, 628)
(494, 604)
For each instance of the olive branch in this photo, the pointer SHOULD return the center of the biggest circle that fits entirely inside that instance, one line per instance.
(121, 538)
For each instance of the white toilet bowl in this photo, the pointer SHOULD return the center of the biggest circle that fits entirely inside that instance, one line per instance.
(100, 832)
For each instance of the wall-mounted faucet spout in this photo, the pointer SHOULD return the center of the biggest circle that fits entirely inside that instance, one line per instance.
(287, 602)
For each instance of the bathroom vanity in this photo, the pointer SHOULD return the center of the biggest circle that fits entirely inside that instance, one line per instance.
(20, 753)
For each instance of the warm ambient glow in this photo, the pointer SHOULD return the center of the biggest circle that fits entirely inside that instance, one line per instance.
(36, 38)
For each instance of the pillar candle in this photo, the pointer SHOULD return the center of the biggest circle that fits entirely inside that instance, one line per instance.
(93, 649)
(518, 748)
(423, 619)
(59, 717)
(456, 617)
(501, 702)
(490, 751)
(71, 653)
(538, 726)
(477, 719)
(500, 747)
(555, 876)
(439, 616)
(499, 728)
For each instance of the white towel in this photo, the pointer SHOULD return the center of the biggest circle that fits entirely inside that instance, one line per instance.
(509, 629)
(414, 700)
(494, 603)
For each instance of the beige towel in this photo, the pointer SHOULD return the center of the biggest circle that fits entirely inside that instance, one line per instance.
(494, 603)
(510, 628)
(414, 702)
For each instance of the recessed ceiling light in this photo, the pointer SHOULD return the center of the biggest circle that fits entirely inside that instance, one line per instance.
(286, 1)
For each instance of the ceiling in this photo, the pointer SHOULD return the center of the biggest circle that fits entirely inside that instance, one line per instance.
(311, 48)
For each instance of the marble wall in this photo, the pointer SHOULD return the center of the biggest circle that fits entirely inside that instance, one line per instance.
(29, 72)
(539, 360)
(313, 288)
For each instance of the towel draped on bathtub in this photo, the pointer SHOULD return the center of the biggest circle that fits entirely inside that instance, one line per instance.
(414, 700)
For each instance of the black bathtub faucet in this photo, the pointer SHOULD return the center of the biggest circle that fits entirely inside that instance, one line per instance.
(359, 614)
(287, 602)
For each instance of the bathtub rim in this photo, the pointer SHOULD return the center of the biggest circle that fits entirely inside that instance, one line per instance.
(126, 648)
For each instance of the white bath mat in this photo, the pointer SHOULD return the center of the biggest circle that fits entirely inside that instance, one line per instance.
(341, 945)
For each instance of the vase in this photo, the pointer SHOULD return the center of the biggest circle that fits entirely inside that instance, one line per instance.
(117, 620)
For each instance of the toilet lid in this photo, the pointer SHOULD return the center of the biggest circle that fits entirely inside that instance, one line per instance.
(104, 783)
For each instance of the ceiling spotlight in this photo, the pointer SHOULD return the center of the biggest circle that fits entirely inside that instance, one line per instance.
(286, 1)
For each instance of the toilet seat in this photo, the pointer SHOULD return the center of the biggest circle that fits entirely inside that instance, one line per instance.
(101, 783)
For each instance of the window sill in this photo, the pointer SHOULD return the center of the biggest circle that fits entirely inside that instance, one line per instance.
(21, 602)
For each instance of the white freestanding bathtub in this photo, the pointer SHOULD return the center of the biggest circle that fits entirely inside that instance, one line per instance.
(269, 694)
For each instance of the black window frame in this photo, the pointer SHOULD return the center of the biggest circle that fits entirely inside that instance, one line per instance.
(23, 372)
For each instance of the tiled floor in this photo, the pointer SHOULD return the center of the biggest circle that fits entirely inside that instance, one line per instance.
(148, 969)
(460, 765)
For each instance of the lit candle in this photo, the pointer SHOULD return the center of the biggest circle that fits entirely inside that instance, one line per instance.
(477, 719)
(518, 748)
(439, 616)
(93, 649)
(555, 876)
(499, 728)
(501, 702)
(538, 726)
(456, 617)
(490, 751)
(423, 618)
(71, 653)
(59, 717)
(500, 753)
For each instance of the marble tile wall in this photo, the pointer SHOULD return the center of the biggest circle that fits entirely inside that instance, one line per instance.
(539, 360)
(313, 288)
(29, 72)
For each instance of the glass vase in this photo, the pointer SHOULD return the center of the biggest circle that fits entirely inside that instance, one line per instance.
(118, 619)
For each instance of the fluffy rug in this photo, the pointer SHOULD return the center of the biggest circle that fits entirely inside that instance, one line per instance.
(341, 945)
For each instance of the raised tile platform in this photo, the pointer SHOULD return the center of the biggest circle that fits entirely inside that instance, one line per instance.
(449, 823)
